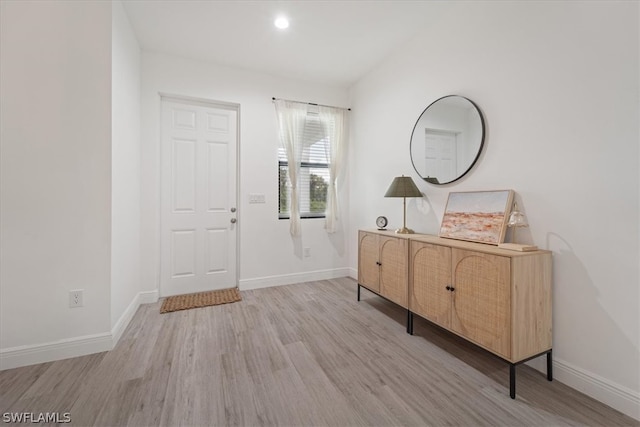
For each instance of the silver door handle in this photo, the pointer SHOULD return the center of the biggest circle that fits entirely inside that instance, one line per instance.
(233, 220)
(233, 210)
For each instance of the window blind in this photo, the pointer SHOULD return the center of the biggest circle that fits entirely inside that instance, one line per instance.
(314, 170)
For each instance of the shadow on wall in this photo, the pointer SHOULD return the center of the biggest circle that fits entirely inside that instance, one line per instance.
(337, 240)
(421, 217)
(583, 330)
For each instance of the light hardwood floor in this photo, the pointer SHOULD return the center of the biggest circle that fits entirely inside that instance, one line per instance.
(300, 355)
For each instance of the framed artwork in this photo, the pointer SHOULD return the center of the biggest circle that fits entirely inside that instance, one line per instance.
(477, 216)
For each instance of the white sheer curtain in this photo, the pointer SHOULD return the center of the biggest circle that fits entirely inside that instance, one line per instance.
(292, 117)
(334, 121)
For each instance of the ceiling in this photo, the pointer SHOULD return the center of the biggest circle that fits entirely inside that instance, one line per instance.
(330, 42)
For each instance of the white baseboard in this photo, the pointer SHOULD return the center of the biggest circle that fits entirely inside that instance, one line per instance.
(15, 357)
(615, 395)
(290, 279)
(353, 273)
(123, 321)
(146, 297)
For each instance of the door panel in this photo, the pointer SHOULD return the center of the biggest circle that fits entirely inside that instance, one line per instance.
(368, 269)
(184, 118)
(393, 269)
(183, 184)
(183, 257)
(218, 171)
(198, 192)
(482, 299)
(216, 256)
(430, 276)
(218, 122)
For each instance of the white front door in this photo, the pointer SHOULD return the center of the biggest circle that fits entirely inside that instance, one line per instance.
(440, 154)
(199, 196)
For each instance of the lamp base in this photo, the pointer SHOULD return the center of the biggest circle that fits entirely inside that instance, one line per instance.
(517, 247)
(404, 230)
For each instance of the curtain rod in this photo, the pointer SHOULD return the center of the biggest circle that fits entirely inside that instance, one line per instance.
(311, 103)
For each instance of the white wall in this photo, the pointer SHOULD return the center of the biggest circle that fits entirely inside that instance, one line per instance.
(55, 172)
(125, 151)
(267, 253)
(558, 84)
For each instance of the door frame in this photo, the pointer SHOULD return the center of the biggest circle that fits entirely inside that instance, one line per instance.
(203, 102)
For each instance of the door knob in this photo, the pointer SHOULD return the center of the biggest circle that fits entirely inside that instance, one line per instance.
(233, 220)
(233, 210)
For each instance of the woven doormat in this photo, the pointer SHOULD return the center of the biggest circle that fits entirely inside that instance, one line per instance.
(200, 299)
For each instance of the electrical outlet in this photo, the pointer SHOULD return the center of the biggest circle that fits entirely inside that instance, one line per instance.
(76, 298)
(306, 252)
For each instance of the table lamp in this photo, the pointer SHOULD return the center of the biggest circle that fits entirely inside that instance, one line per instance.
(403, 186)
(517, 219)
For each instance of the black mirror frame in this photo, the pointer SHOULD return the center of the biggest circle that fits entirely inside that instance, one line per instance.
(434, 180)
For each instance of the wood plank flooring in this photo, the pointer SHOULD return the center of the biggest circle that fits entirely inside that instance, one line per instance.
(300, 355)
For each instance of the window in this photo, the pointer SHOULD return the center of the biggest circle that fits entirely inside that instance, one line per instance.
(314, 140)
(313, 176)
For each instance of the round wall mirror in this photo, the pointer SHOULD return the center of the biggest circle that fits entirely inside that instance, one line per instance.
(447, 139)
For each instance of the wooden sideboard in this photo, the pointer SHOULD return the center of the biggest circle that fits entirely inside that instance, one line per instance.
(497, 299)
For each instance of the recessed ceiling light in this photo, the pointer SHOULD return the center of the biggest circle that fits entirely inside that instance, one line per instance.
(281, 22)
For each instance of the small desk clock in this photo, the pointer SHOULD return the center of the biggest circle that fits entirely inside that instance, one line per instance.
(381, 222)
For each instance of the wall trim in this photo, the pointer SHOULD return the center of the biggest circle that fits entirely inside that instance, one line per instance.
(149, 297)
(601, 389)
(290, 279)
(608, 392)
(118, 329)
(146, 297)
(15, 357)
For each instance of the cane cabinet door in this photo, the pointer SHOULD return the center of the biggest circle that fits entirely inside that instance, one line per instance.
(430, 280)
(393, 269)
(368, 262)
(482, 299)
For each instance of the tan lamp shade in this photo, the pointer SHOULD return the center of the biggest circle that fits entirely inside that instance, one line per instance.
(403, 186)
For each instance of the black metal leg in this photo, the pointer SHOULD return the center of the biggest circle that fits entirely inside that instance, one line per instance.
(549, 367)
(409, 322)
(512, 380)
(358, 291)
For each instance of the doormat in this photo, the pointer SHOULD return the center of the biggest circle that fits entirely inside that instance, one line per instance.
(200, 299)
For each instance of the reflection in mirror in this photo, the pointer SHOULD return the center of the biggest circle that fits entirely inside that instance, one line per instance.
(447, 139)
